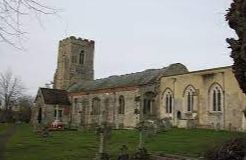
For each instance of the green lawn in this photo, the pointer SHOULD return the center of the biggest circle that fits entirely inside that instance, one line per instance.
(3, 126)
(74, 145)
(68, 145)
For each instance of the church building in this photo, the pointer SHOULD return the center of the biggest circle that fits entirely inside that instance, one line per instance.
(204, 99)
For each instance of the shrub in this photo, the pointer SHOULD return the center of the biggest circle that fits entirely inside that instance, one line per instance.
(141, 154)
(234, 149)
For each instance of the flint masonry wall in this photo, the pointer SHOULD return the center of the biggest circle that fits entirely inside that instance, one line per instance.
(109, 100)
(70, 69)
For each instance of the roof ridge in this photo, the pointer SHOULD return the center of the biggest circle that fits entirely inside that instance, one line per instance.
(131, 79)
(120, 75)
(53, 89)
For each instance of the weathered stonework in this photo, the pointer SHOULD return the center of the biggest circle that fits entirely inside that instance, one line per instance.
(70, 69)
(230, 117)
(47, 104)
(215, 99)
(110, 104)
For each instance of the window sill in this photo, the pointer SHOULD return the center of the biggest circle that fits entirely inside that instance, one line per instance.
(169, 113)
(188, 113)
(215, 112)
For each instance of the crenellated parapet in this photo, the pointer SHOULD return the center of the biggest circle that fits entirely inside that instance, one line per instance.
(74, 40)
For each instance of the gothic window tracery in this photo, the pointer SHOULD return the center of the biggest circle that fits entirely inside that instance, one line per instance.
(148, 103)
(189, 98)
(168, 100)
(216, 97)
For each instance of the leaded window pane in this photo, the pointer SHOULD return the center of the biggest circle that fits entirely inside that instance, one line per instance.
(214, 100)
(219, 100)
(170, 104)
(167, 104)
(188, 102)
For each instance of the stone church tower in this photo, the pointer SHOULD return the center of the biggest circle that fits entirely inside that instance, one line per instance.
(75, 62)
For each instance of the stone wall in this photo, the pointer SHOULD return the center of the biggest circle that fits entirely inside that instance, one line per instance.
(109, 102)
(69, 69)
(234, 101)
(47, 112)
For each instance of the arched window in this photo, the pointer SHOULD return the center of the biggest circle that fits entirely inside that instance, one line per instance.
(96, 106)
(216, 97)
(121, 105)
(76, 105)
(81, 57)
(39, 115)
(149, 103)
(189, 94)
(168, 100)
(179, 115)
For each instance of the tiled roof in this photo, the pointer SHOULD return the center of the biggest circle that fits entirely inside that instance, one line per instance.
(55, 96)
(133, 79)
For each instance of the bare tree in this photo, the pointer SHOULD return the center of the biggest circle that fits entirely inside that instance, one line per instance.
(236, 18)
(12, 13)
(25, 103)
(11, 89)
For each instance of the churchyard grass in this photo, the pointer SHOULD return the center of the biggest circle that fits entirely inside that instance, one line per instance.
(75, 145)
(63, 145)
(3, 127)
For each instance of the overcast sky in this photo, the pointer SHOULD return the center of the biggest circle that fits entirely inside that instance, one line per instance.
(130, 36)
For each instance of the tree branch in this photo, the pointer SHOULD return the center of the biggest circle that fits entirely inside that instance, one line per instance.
(11, 14)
